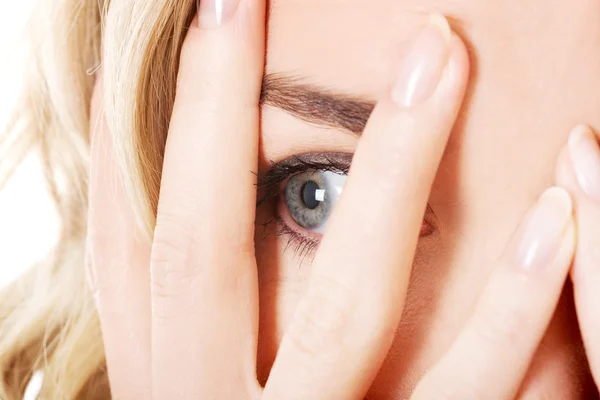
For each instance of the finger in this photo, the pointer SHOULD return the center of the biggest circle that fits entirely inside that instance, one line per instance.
(204, 278)
(579, 171)
(118, 260)
(345, 325)
(493, 352)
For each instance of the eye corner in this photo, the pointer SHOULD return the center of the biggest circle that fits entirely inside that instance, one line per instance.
(429, 226)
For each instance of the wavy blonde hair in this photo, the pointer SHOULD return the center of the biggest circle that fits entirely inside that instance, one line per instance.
(48, 321)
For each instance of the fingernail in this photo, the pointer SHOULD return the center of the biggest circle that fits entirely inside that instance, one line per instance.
(543, 230)
(585, 157)
(424, 64)
(215, 13)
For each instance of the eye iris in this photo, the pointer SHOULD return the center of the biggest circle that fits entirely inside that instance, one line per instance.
(309, 195)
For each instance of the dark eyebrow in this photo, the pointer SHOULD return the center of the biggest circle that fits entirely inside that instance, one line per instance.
(316, 105)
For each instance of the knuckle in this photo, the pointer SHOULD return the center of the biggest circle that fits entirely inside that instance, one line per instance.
(170, 269)
(170, 258)
(184, 255)
(173, 238)
(322, 321)
(169, 250)
(170, 284)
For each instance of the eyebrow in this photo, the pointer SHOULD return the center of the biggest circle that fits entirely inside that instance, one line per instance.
(316, 105)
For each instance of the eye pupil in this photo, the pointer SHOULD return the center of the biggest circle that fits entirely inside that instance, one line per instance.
(309, 195)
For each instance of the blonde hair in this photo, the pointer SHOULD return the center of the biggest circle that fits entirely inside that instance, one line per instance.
(48, 321)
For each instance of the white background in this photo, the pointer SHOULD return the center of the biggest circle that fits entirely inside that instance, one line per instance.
(28, 222)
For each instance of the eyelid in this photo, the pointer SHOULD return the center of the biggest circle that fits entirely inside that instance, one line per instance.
(279, 171)
(273, 180)
(338, 160)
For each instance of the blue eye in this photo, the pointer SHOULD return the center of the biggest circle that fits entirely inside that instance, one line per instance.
(310, 197)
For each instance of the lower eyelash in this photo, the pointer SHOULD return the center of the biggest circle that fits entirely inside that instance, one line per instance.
(302, 246)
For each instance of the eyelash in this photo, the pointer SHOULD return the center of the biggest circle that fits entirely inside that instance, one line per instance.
(271, 183)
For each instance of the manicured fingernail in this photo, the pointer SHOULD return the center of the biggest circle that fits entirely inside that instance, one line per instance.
(424, 64)
(543, 230)
(215, 13)
(585, 157)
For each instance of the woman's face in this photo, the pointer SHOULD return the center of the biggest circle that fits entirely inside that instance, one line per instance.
(535, 74)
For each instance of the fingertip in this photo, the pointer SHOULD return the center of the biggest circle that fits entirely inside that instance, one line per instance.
(576, 271)
(585, 159)
(214, 14)
(459, 65)
(567, 251)
(441, 22)
(224, 59)
(454, 80)
(564, 171)
(579, 131)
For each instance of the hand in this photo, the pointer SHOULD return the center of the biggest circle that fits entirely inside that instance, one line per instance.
(579, 171)
(179, 315)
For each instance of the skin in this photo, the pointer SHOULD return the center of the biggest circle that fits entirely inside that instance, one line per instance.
(501, 155)
(451, 315)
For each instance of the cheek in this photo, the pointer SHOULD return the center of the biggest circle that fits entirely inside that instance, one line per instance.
(440, 299)
(444, 291)
(450, 271)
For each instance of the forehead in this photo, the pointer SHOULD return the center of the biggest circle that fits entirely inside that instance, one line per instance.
(358, 44)
(527, 55)
(535, 67)
(333, 42)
